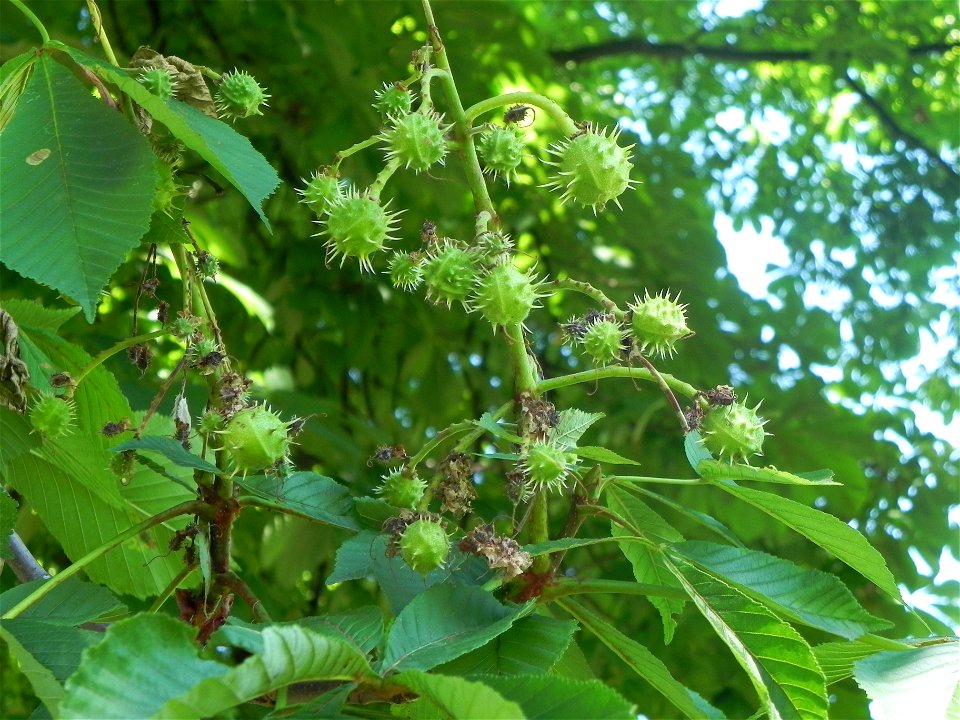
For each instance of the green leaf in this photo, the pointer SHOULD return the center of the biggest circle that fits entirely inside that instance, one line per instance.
(47, 653)
(695, 449)
(306, 494)
(811, 597)
(13, 79)
(9, 512)
(170, 448)
(76, 192)
(647, 565)
(572, 425)
(70, 603)
(602, 454)
(558, 698)
(497, 429)
(32, 316)
(707, 521)
(457, 698)
(140, 664)
(426, 632)
(530, 647)
(825, 530)
(647, 665)
(354, 559)
(836, 659)
(718, 470)
(919, 683)
(776, 658)
(227, 151)
(290, 654)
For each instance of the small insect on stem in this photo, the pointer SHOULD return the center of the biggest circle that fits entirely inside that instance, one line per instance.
(520, 114)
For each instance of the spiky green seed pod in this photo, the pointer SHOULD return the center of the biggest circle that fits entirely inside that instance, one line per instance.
(416, 140)
(424, 546)
(603, 341)
(255, 438)
(659, 323)
(393, 100)
(501, 149)
(158, 82)
(240, 96)
(505, 296)
(401, 490)
(52, 415)
(184, 326)
(546, 465)
(734, 431)
(210, 422)
(405, 272)
(450, 274)
(357, 227)
(321, 191)
(592, 169)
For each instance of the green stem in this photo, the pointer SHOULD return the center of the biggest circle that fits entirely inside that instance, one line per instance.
(97, 19)
(557, 113)
(193, 507)
(667, 391)
(33, 19)
(616, 371)
(111, 351)
(571, 586)
(524, 372)
(173, 585)
(373, 192)
(587, 289)
(355, 148)
(461, 125)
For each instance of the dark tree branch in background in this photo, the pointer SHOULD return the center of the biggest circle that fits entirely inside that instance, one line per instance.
(23, 563)
(732, 53)
(888, 121)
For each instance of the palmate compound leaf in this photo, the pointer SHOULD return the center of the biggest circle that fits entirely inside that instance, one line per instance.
(778, 661)
(148, 666)
(833, 535)
(230, 153)
(76, 191)
(647, 665)
(812, 597)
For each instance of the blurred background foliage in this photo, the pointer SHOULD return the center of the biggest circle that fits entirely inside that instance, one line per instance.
(830, 125)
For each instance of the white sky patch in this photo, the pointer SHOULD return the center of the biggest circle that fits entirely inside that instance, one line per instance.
(729, 8)
(753, 256)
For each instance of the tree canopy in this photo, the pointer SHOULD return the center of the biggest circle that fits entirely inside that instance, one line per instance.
(830, 124)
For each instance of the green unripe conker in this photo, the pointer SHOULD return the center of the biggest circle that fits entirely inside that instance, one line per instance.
(158, 82)
(405, 272)
(505, 296)
(734, 431)
(592, 169)
(424, 546)
(255, 438)
(357, 227)
(416, 140)
(546, 465)
(401, 490)
(603, 341)
(240, 95)
(52, 415)
(393, 100)
(501, 149)
(450, 274)
(658, 323)
(321, 191)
